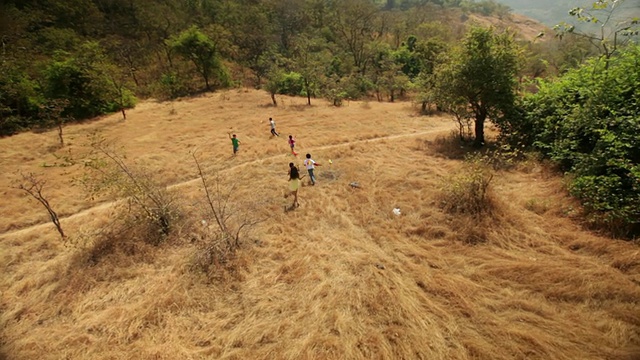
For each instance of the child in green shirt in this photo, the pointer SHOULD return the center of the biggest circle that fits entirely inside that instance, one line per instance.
(235, 142)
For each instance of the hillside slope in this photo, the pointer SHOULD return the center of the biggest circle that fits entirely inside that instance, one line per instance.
(341, 277)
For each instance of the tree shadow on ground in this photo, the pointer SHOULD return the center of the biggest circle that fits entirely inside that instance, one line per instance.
(450, 147)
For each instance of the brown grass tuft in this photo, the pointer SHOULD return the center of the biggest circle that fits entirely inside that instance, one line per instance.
(469, 191)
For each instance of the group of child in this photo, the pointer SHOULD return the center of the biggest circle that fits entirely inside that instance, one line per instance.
(294, 174)
(236, 142)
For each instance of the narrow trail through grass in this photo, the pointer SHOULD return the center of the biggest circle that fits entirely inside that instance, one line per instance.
(109, 204)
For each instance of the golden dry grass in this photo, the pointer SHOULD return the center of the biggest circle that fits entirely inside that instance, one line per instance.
(339, 278)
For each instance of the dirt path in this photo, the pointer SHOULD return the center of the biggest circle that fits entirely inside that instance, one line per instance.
(107, 205)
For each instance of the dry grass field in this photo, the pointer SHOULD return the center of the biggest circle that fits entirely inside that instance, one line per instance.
(340, 277)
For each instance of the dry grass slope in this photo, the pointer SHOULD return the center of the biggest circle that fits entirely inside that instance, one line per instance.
(339, 278)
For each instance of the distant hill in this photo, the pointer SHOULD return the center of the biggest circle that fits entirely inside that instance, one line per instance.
(552, 12)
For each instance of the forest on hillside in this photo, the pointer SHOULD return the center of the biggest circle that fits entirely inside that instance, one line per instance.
(70, 60)
(65, 61)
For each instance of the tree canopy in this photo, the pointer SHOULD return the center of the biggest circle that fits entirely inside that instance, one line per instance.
(479, 78)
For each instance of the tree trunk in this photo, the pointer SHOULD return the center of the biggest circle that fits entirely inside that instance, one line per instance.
(135, 78)
(273, 98)
(424, 107)
(60, 134)
(306, 84)
(481, 115)
(206, 82)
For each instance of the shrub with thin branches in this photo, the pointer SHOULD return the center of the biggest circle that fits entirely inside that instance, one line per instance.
(226, 222)
(148, 204)
(33, 185)
(468, 192)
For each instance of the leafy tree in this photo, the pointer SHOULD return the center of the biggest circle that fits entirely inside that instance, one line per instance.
(289, 19)
(253, 47)
(386, 73)
(407, 57)
(83, 81)
(478, 78)
(355, 27)
(203, 53)
(291, 83)
(426, 53)
(587, 121)
(19, 98)
(309, 58)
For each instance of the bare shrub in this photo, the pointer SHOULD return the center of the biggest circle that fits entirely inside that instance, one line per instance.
(468, 191)
(52, 112)
(227, 219)
(34, 185)
(148, 203)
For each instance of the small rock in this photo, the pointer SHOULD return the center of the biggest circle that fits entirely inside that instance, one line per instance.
(203, 343)
(380, 266)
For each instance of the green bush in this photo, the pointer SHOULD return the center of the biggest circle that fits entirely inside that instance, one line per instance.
(588, 122)
(20, 97)
(87, 81)
(291, 83)
(171, 86)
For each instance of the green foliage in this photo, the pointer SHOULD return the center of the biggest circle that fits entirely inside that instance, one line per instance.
(172, 85)
(198, 48)
(19, 99)
(478, 78)
(337, 89)
(175, 48)
(291, 83)
(84, 81)
(588, 122)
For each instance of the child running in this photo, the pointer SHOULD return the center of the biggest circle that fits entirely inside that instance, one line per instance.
(310, 164)
(292, 144)
(273, 127)
(294, 184)
(235, 142)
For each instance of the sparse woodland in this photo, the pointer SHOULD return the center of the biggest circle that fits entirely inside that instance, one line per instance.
(497, 170)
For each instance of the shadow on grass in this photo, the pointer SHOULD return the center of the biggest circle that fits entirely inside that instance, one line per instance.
(449, 147)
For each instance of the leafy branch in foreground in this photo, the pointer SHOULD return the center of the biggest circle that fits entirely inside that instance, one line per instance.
(613, 31)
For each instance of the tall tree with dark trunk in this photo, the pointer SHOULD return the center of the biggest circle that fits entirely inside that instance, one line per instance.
(479, 78)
